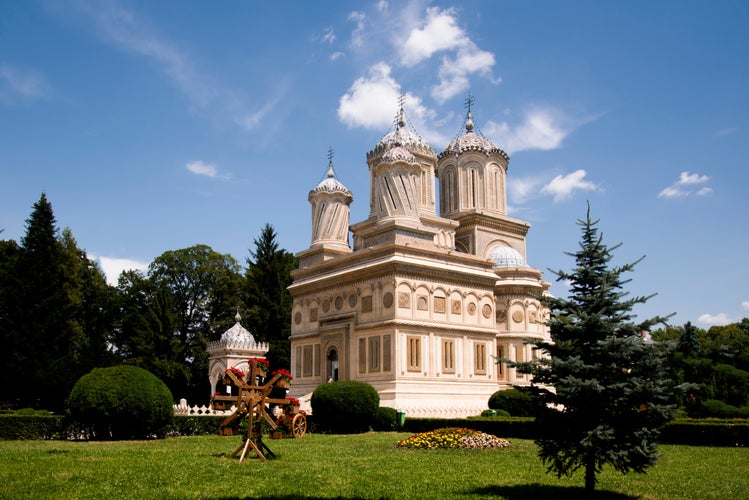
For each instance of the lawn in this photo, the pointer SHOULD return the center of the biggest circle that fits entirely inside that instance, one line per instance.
(342, 466)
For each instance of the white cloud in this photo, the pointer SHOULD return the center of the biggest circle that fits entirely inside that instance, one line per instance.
(540, 128)
(21, 85)
(365, 104)
(336, 55)
(113, 267)
(724, 132)
(439, 33)
(201, 168)
(563, 186)
(382, 6)
(454, 72)
(715, 319)
(683, 187)
(745, 304)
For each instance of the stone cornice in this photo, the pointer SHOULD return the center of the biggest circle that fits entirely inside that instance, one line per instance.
(473, 220)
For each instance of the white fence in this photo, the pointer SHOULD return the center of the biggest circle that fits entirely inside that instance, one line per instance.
(197, 411)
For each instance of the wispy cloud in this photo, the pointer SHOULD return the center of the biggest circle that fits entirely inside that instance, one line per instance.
(20, 85)
(206, 169)
(124, 30)
(686, 185)
(358, 18)
(725, 131)
(540, 128)
(328, 35)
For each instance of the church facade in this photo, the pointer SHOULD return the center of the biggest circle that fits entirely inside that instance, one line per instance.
(422, 304)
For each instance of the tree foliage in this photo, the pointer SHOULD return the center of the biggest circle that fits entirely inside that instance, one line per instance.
(54, 317)
(267, 297)
(168, 317)
(605, 389)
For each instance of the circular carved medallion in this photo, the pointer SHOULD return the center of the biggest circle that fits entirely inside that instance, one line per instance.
(486, 310)
(387, 300)
(326, 305)
(517, 316)
(298, 318)
(352, 300)
(471, 307)
(338, 302)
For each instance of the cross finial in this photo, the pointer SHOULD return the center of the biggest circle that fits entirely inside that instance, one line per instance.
(400, 120)
(469, 102)
(330, 162)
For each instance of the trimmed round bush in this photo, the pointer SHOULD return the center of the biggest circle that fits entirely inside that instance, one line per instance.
(121, 402)
(344, 407)
(516, 402)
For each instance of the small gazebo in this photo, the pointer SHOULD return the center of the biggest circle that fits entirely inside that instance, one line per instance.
(233, 350)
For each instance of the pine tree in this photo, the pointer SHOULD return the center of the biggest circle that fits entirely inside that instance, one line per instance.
(605, 388)
(267, 296)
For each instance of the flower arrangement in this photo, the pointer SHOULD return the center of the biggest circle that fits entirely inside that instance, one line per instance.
(453, 437)
(261, 363)
(285, 375)
(236, 371)
(284, 421)
(291, 404)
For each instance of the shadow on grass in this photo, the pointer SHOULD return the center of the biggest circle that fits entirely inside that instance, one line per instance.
(545, 492)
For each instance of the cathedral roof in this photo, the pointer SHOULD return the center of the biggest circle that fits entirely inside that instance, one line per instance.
(403, 136)
(237, 333)
(330, 184)
(507, 257)
(471, 141)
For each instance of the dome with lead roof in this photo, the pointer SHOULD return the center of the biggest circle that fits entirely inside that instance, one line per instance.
(331, 185)
(506, 257)
(405, 137)
(471, 141)
(237, 333)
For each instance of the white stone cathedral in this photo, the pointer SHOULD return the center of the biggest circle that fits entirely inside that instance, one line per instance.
(423, 304)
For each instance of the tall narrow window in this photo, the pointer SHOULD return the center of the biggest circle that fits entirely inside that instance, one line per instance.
(386, 353)
(473, 187)
(362, 355)
(500, 364)
(479, 358)
(307, 361)
(298, 361)
(374, 354)
(316, 360)
(448, 356)
(413, 353)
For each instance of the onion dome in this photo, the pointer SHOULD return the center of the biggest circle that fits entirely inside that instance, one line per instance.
(237, 333)
(402, 136)
(506, 257)
(330, 185)
(471, 141)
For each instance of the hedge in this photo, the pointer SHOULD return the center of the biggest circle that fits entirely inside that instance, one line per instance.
(697, 432)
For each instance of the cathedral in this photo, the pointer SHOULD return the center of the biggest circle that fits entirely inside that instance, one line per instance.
(419, 305)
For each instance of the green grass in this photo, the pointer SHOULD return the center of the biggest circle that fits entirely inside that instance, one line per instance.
(338, 466)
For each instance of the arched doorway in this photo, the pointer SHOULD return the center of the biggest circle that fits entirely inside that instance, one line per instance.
(332, 364)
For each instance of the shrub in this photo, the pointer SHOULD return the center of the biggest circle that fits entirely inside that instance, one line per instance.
(516, 402)
(121, 402)
(345, 406)
(717, 409)
(495, 413)
(386, 419)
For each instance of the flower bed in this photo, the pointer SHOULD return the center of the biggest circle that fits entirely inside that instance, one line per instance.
(453, 437)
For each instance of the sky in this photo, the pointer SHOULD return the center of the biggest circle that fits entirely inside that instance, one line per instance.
(155, 126)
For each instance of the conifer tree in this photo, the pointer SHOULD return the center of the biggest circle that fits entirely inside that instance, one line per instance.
(605, 388)
(267, 296)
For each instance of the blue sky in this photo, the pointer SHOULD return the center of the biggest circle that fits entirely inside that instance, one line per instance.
(154, 126)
